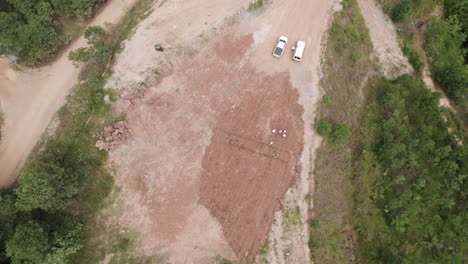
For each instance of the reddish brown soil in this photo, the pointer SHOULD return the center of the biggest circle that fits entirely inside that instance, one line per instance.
(201, 138)
(242, 182)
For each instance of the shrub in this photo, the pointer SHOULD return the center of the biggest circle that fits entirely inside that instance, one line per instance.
(94, 35)
(401, 10)
(341, 132)
(80, 55)
(257, 4)
(414, 57)
(326, 99)
(324, 128)
(103, 53)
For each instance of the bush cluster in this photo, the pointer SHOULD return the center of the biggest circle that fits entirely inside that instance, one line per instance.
(29, 29)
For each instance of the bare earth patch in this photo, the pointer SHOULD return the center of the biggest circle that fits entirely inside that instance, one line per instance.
(231, 110)
(199, 177)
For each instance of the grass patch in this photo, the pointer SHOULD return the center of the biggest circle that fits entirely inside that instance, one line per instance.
(257, 4)
(346, 69)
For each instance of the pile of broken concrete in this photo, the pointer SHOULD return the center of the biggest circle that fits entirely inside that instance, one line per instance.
(112, 136)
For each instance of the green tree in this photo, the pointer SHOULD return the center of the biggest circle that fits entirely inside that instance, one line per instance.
(75, 7)
(46, 185)
(9, 24)
(7, 220)
(80, 55)
(103, 53)
(7, 206)
(401, 10)
(66, 239)
(447, 57)
(94, 35)
(29, 243)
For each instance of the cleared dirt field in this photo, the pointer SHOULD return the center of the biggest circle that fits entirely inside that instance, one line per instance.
(229, 107)
(202, 175)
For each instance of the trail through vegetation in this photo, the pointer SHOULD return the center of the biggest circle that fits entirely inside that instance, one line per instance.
(395, 192)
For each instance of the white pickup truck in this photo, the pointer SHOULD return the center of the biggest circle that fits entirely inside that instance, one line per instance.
(280, 46)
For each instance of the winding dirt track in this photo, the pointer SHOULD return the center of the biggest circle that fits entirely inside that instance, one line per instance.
(30, 98)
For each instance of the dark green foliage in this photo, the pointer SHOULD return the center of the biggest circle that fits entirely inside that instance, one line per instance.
(7, 219)
(338, 133)
(80, 55)
(52, 181)
(75, 7)
(459, 10)
(97, 51)
(324, 128)
(414, 57)
(29, 243)
(94, 35)
(65, 235)
(401, 10)
(444, 48)
(51, 242)
(341, 132)
(31, 33)
(419, 194)
(29, 29)
(103, 53)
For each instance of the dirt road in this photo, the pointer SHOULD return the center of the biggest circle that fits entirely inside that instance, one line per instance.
(384, 37)
(31, 97)
(202, 173)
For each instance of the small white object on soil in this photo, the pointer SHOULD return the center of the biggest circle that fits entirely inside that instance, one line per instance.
(273, 131)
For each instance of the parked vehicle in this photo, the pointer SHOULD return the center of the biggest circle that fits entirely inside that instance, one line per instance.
(299, 51)
(280, 46)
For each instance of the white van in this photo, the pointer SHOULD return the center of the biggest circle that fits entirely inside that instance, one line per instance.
(299, 51)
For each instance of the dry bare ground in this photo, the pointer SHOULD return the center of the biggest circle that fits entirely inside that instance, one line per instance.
(199, 174)
(30, 98)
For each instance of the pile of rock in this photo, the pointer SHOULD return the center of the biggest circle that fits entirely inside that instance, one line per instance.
(112, 136)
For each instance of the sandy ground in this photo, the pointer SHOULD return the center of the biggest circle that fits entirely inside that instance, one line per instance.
(198, 175)
(31, 97)
(383, 35)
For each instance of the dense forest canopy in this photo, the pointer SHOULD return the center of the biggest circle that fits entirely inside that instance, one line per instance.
(29, 29)
(420, 194)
